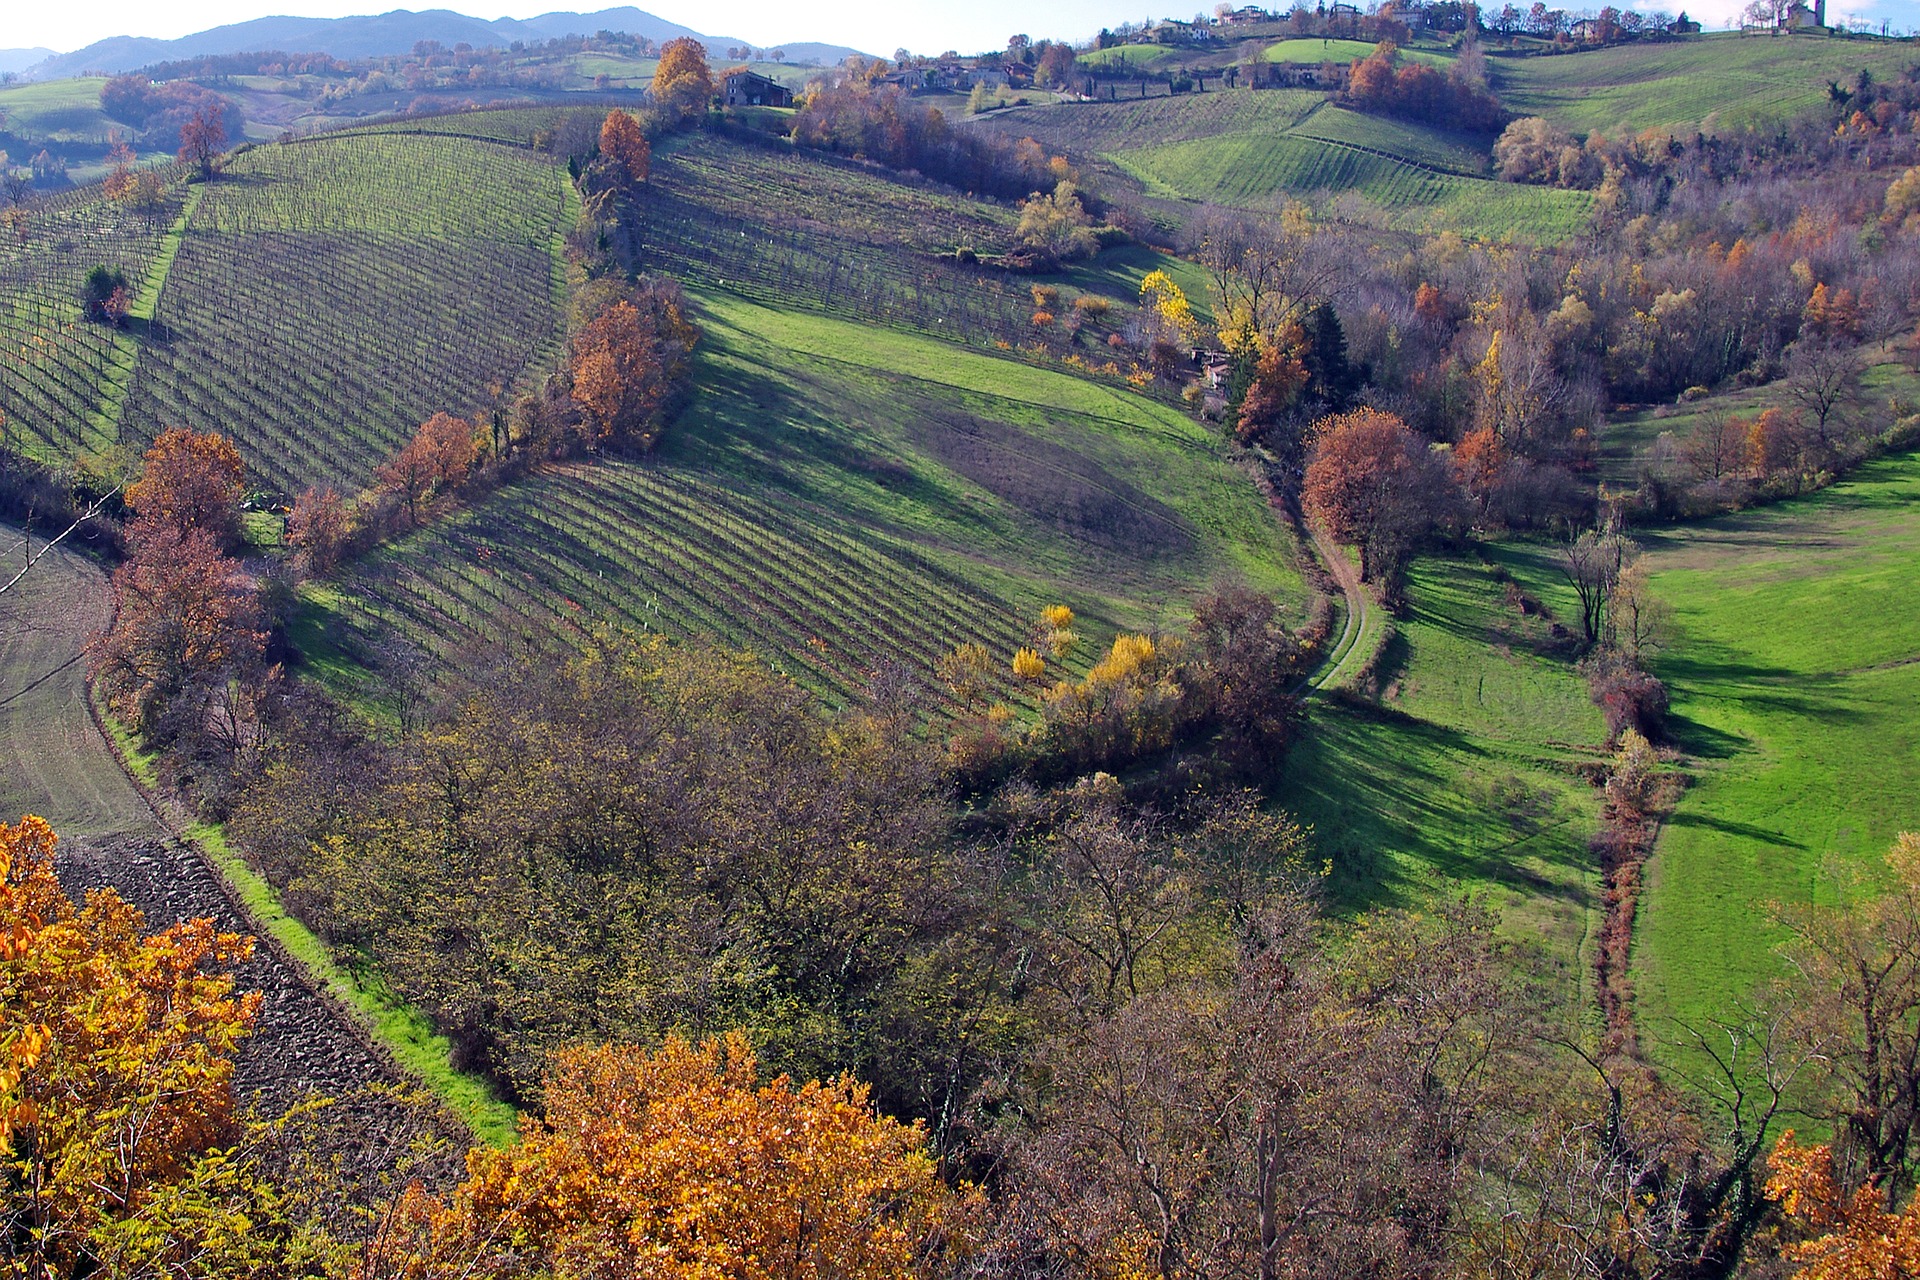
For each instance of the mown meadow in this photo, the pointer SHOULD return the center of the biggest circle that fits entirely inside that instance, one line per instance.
(1796, 699)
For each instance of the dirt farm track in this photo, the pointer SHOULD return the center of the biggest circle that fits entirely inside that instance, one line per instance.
(55, 762)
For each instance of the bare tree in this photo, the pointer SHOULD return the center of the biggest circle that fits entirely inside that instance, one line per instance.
(1823, 379)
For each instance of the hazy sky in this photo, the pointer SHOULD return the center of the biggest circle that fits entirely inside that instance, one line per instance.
(873, 25)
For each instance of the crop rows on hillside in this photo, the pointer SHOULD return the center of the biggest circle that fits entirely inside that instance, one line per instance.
(511, 126)
(1251, 171)
(1713, 83)
(56, 367)
(1461, 153)
(1096, 127)
(669, 550)
(330, 295)
(785, 227)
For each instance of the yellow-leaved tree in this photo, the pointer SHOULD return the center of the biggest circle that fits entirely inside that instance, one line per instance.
(120, 1154)
(679, 1164)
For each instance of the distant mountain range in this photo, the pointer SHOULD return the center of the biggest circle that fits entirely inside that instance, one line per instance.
(21, 59)
(375, 35)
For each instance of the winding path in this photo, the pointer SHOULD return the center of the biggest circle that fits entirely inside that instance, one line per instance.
(1359, 634)
(55, 762)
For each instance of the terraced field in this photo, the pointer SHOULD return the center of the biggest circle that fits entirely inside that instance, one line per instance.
(457, 241)
(1094, 127)
(1463, 153)
(802, 228)
(839, 496)
(1795, 677)
(1710, 83)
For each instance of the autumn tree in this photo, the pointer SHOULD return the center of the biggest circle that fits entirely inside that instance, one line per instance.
(317, 529)
(1056, 224)
(431, 466)
(1823, 380)
(682, 80)
(202, 138)
(1280, 375)
(1852, 1235)
(1591, 564)
(1374, 483)
(630, 360)
(1267, 273)
(1858, 998)
(684, 1157)
(625, 146)
(190, 482)
(185, 620)
(1304, 1117)
(120, 1150)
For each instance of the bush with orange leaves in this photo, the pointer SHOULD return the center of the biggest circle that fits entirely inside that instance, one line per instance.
(681, 1164)
(116, 1099)
(1858, 1238)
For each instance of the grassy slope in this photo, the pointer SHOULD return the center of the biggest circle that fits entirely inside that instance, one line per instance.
(1713, 82)
(1795, 678)
(1888, 390)
(1452, 786)
(839, 494)
(1256, 148)
(1317, 51)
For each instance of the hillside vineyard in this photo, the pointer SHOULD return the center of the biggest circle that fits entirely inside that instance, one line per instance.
(1272, 646)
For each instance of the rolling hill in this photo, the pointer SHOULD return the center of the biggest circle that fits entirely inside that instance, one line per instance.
(376, 35)
(1255, 150)
(1707, 83)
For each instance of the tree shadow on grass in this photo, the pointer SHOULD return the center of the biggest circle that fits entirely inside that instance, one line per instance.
(1704, 742)
(1744, 830)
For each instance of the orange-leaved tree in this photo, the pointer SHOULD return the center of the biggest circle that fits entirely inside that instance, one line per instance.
(430, 466)
(1374, 482)
(119, 1151)
(186, 619)
(1856, 1236)
(682, 80)
(681, 1165)
(627, 362)
(190, 481)
(622, 143)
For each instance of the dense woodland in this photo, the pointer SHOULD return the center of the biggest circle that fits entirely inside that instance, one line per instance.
(1009, 967)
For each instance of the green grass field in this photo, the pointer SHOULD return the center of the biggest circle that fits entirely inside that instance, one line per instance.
(1463, 153)
(1459, 781)
(1256, 171)
(1316, 51)
(1132, 57)
(838, 495)
(1795, 677)
(1710, 83)
(55, 111)
(1255, 149)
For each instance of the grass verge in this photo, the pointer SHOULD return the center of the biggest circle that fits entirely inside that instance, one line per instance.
(399, 1028)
